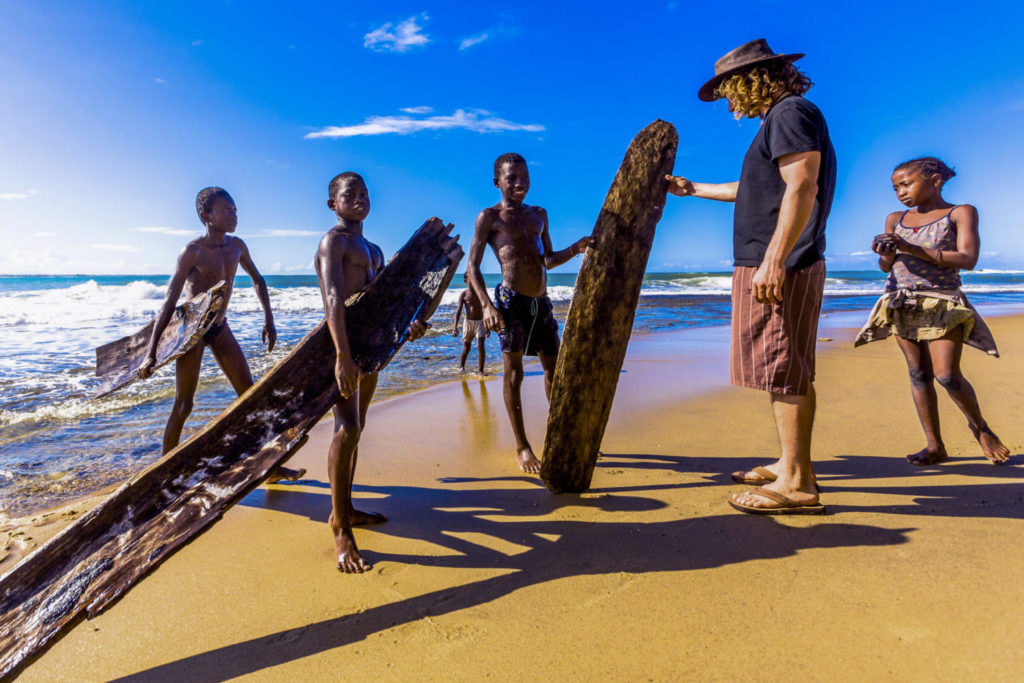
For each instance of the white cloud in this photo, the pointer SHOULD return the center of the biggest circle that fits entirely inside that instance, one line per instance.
(466, 43)
(417, 110)
(196, 43)
(57, 262)
(167, 231)
(11, 196)
(861, 253)
(113, 247)
(160, 81)
(405, 35)
(477, 120)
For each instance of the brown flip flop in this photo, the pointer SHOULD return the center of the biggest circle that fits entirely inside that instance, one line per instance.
(786, 505)
(766, 476)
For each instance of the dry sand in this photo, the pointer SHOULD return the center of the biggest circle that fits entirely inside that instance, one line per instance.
(481, 573)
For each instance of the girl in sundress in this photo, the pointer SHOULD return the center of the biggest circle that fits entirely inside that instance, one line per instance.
(924, 249)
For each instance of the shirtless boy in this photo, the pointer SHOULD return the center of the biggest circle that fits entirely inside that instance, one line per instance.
(521, 312)
(201, 264)
(345, 262)
(472, 327)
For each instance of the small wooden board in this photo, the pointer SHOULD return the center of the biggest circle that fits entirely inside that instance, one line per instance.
(118, 362)
(600, 317)
(90, 564)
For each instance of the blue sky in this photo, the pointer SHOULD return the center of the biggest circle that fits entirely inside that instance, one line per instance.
(114, 114)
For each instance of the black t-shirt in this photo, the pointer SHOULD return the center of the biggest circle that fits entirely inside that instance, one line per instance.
(793, 125)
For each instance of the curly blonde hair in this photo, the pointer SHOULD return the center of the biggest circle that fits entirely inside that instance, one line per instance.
(751, 91)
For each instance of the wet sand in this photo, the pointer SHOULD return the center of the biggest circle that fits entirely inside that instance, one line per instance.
(482, 573)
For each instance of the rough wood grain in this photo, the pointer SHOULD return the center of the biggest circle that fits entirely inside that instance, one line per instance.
(82, 570)
(600, 317)
(118, 362)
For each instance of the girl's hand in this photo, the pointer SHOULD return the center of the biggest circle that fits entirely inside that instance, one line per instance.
(883, 244)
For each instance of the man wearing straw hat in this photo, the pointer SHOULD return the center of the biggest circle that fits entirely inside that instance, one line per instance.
(782, 201)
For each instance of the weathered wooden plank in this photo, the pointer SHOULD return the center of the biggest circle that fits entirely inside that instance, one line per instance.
(118, 362)
(82, 570)
(600, 317)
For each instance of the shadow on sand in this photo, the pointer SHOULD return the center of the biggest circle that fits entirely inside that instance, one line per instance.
(542, 550)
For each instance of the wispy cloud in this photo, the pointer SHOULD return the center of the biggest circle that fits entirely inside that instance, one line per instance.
(167, 231)
(45, 234)
(398, 38)
(12, 196)
(114, 247)
(160, 81)
(478, 120)
(417, 110)
(467, 43)
(196, 43)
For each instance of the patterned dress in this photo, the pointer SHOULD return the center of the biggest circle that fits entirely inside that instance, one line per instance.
(923, 300)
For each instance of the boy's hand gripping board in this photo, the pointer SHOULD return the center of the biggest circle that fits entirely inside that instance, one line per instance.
(601, 314)
(118, 362)
(100, 556)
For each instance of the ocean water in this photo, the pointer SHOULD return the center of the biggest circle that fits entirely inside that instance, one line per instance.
(57, 444)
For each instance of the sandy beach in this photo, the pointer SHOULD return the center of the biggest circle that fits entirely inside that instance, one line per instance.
(481, 573)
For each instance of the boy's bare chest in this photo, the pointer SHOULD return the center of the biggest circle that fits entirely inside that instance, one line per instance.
(363, 260)
(219, 263)
(518, 231)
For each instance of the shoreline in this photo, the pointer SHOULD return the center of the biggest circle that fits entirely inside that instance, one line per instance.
(708, 356)
(476, 555)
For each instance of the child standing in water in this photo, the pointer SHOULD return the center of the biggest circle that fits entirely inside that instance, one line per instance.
(923, 249)
(472, 327)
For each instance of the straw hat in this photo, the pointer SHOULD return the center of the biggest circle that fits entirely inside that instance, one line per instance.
(755, 52)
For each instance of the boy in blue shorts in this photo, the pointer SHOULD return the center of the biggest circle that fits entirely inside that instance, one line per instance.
(521, 312)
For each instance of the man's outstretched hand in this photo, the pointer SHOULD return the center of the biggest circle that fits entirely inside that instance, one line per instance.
(680, 187)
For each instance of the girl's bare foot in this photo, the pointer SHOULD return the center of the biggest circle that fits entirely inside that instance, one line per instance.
(927, 456)
(528, 462)
(349, 559)
(991, 446)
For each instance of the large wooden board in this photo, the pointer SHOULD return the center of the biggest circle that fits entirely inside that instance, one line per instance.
(600, 317)
(82, 570)
(117, 363)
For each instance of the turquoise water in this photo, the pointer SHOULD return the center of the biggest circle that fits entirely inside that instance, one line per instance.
(56, 444)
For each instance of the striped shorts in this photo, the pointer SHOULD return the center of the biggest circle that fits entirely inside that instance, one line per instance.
(773, 344)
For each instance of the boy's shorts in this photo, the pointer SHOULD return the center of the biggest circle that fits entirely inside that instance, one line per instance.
(773, 344)
(530, 324)
(473, 329)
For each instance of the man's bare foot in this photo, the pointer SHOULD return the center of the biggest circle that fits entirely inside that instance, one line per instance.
(285, 474)
(927, 456)
(349, 559)
(991, 446)
(528, 462)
